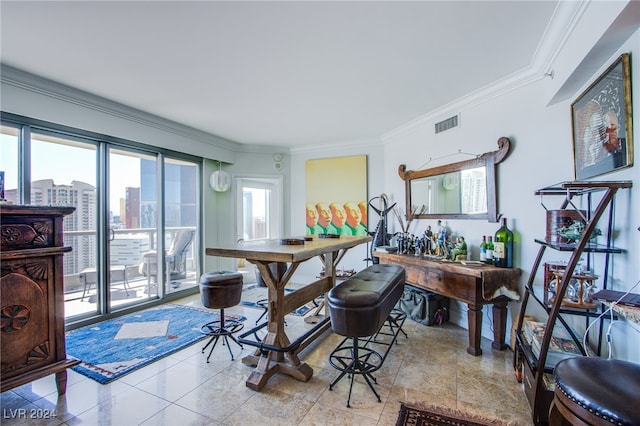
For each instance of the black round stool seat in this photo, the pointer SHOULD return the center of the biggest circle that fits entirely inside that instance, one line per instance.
(598, 391)
(220, 289)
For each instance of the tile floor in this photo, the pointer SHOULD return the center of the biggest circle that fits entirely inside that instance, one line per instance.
(431, 366)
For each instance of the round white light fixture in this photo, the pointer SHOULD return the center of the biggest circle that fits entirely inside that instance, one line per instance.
(220, 181)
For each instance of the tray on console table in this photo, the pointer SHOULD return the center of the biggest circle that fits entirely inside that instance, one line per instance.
(476, 285)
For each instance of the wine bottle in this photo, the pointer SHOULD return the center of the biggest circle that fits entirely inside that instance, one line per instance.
(489, 249)
(483, 249)
(503, 246)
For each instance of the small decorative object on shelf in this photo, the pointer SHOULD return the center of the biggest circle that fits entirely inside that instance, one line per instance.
(579, 292)
(574, 231)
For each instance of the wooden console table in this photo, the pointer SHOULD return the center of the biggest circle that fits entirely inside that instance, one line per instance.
(276, 353)
(476, 285)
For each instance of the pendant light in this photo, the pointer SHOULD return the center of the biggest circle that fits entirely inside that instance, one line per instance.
(220, 181)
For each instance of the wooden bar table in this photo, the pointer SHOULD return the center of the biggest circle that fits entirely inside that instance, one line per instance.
(276, 353)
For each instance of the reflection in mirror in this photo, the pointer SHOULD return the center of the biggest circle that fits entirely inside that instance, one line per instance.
(460, 192)
(465, 190)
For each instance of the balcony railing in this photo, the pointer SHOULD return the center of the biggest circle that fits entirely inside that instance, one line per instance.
(127, 248)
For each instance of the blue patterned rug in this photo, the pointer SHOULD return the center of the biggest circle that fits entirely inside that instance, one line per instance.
(110, 349)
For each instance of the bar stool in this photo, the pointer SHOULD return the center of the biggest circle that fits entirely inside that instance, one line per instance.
(359, 307)
(219, 290)
(596, 391)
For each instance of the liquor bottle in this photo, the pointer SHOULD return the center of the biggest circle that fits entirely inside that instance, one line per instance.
(503, 246)
(483, 249)
(490, 249)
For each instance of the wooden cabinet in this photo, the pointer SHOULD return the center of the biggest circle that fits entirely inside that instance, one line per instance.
(32, 335)
(542, 344)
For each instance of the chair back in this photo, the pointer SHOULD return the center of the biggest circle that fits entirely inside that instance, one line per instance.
(180, 242)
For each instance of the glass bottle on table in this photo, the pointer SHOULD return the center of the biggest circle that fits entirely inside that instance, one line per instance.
(490, 249)
(503, 246)
(483, 249)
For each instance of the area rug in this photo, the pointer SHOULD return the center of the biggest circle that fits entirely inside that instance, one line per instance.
(110, 349)
(432, 415)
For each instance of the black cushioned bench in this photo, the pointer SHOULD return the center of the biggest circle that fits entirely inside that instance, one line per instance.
(359, 307)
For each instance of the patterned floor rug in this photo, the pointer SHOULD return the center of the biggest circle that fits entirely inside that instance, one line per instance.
(432, 415)
(110, 349)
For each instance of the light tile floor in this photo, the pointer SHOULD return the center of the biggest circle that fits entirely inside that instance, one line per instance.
(430, 366)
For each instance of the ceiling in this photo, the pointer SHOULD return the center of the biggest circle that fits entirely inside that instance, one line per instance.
(290, 73)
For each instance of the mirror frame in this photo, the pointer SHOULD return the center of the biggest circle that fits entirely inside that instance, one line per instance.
(488, 159)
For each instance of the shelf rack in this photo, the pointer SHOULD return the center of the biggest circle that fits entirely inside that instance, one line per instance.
(538, 395)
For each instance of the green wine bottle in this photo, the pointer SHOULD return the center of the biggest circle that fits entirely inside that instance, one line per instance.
(503, 246)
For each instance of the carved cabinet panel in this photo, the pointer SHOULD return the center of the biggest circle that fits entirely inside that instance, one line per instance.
(27, 336)
(32, 339)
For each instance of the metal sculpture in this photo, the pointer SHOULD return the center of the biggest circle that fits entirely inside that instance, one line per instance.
(380, 236)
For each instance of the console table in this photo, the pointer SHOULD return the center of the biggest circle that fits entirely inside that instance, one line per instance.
(474, 284)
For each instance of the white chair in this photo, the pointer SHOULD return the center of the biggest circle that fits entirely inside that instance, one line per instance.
(175, 257)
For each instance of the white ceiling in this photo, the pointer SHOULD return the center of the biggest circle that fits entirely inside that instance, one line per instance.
(277, 73)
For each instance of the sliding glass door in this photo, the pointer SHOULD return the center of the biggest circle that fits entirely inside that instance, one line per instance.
(133, 234)
(180, 221)
(64, 173)
(133, 229)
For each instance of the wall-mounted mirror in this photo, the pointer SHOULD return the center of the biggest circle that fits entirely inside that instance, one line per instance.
(462, 190)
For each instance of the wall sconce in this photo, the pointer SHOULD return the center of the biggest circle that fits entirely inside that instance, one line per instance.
(220, 181)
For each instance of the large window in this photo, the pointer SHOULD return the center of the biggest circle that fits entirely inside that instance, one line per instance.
(134, 231)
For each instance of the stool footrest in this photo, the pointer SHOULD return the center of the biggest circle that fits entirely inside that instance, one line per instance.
(355, 355)
(217, 328)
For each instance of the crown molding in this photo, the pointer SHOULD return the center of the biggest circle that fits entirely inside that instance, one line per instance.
(27, 81)
(358, 145)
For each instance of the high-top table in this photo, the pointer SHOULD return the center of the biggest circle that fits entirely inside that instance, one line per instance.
(276, 353)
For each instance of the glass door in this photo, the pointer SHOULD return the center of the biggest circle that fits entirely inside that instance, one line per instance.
(133, 227)
(180, 220)
(259, 208)
(63, 173)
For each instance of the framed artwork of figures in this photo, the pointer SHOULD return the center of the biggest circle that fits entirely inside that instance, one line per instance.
(601, 119)
(336, 194)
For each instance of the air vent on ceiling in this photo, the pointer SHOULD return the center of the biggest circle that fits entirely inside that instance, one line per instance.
(447, 124)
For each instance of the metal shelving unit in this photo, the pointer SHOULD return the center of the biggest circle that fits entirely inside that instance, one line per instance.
(538, 368)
